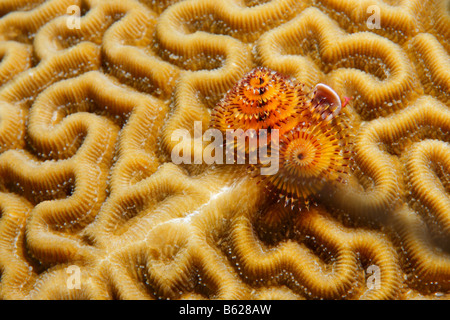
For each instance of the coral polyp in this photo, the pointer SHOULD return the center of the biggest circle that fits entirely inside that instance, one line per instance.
(262, 99)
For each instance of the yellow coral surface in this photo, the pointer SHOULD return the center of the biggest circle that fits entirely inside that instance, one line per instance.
(93, 207)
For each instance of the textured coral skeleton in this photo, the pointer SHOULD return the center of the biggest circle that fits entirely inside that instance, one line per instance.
(86, 179)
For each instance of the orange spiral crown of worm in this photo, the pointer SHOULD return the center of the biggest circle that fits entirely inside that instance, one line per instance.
(311, 155)
(313, 149)
(262, 99)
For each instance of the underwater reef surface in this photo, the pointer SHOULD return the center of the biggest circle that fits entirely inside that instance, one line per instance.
(93, 207)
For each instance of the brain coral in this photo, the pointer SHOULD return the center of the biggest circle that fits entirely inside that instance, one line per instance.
(92, 207)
